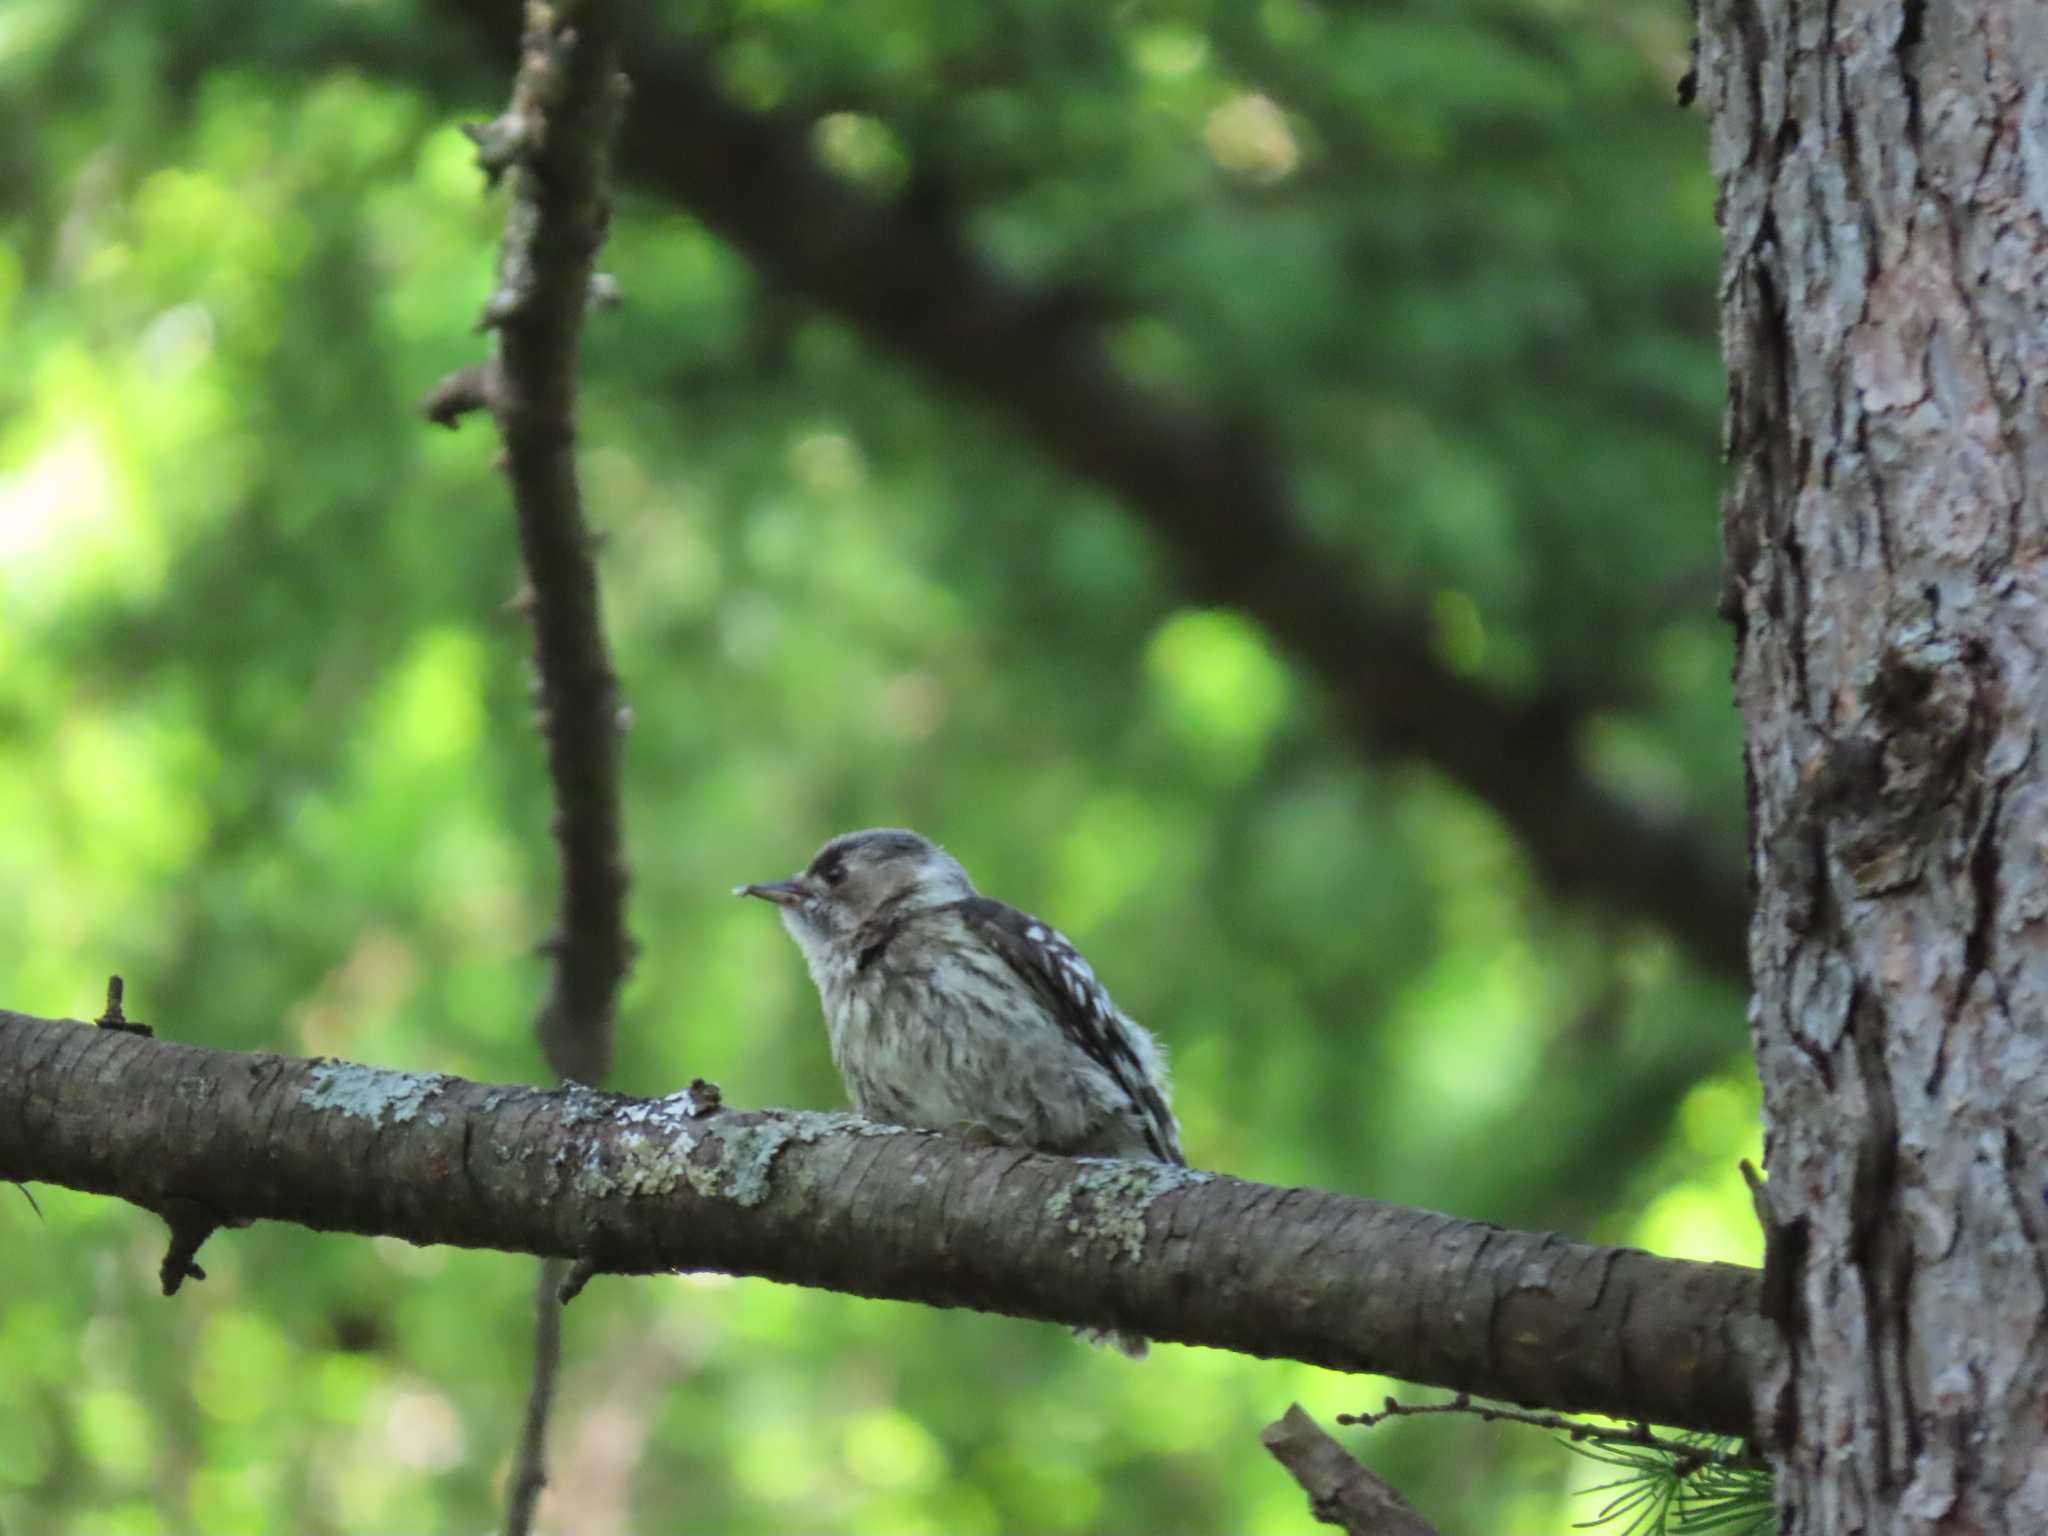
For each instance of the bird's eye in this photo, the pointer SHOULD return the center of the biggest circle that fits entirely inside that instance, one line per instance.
(833, 870)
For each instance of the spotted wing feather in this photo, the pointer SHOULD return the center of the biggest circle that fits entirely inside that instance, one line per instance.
(1053, 969)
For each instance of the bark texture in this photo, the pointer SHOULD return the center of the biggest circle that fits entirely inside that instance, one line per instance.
(552, 143)
(1340, 1491)
(210, 1138)
(1884, 201)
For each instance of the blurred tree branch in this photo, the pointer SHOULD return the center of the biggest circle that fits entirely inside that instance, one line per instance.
(639, 1186)
(1340, 1491)
(1211, 487)
(551, 146)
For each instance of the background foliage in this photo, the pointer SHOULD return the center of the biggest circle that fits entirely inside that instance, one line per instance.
(264, 744)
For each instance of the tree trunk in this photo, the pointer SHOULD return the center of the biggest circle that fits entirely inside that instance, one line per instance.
(1884, 179)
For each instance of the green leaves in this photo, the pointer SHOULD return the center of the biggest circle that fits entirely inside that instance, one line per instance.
(264, 736)
(1708, 1484)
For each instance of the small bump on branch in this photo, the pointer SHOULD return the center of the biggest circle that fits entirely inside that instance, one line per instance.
(113, 1018)
(191, 1222)
(580, 1274)
(465, 390)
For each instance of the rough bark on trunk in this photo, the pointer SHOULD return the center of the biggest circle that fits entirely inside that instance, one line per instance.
(1884, 202)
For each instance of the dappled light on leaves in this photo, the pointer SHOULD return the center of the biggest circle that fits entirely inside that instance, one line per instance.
(265, 723)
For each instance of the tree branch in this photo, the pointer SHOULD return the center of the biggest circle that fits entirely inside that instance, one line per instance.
(550, 145)
(553, 139)
(1340, 1491)
(1638, 1435)
(1212, 488)
(529, 1477)
(828, 1200)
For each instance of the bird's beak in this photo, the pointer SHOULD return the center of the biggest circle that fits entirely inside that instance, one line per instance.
(784, 893)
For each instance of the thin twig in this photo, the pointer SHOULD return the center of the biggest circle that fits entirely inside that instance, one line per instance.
(1340, 1491)
(113, 1018)
(529, 1471)
(551, 146)
(1682, 1452)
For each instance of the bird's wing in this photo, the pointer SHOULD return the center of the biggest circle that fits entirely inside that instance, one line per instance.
(1047, 963)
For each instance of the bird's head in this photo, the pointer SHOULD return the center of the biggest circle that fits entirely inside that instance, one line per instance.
(859, 876)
